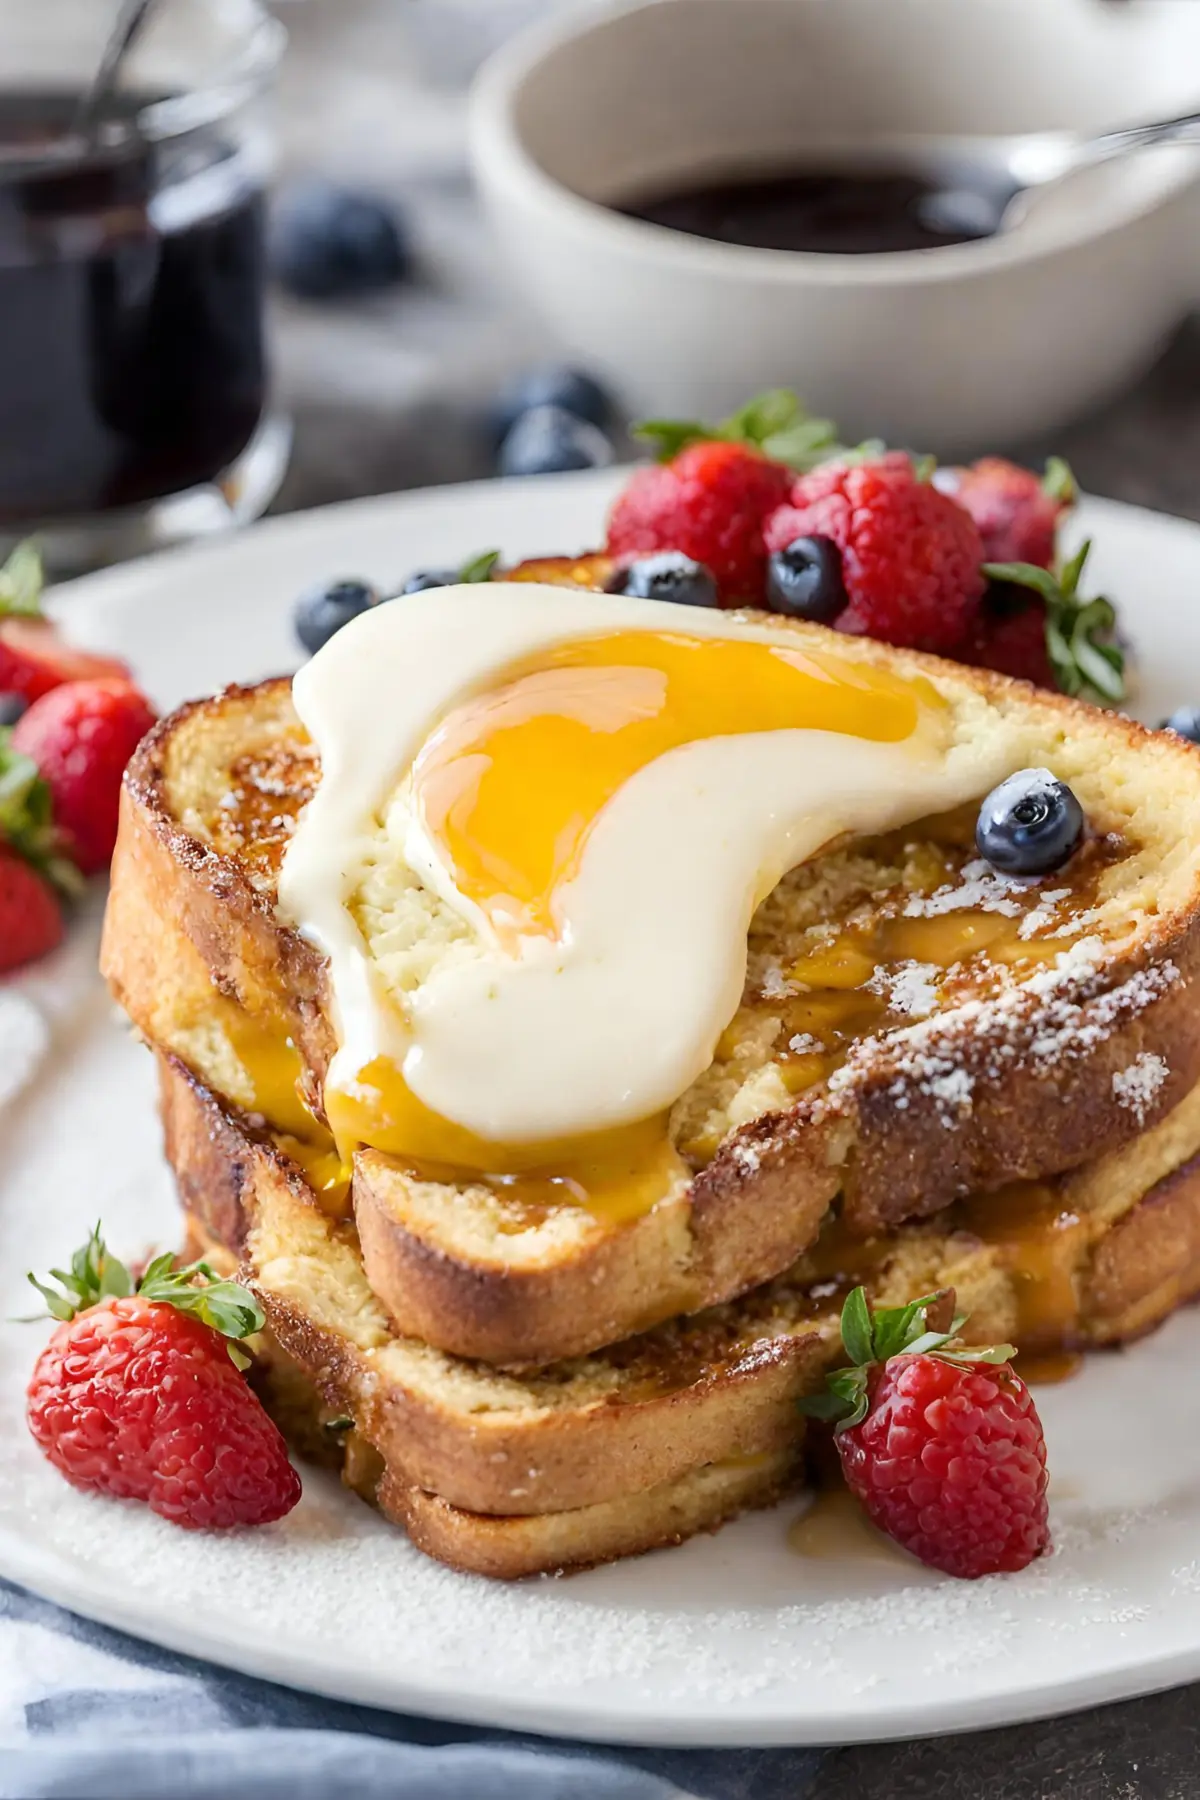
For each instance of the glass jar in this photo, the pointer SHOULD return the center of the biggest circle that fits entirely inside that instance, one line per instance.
(133, 372)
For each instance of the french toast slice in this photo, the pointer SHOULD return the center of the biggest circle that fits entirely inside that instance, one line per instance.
(503, 1546)
(1024, 1067)
(702, 1408)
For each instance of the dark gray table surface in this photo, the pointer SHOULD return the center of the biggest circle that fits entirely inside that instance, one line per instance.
(387, 395)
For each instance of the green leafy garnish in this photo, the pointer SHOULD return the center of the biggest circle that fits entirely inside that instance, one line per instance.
(1059, 483)
(94, 1275)
(1079, 641)
(21, 583)
(776, 423)
(197, 1288)
(479, 568)
(870, 1337)
(27, 820)
(26, 809)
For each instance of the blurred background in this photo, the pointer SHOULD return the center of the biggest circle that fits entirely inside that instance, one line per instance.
(394, 326)
(389, 392)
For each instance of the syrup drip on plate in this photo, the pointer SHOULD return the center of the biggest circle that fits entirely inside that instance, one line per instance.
(834, 1528)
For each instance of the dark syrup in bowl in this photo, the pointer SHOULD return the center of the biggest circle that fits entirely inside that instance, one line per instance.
(839, 212)
(131, 310)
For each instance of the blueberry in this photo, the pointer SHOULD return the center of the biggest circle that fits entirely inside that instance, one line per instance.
(668, 576)
(1185, 723)
(549, 439)
(324, 610)
(805, 580)
(12, 707)
(421, 580)
(550, 385)
(1029, 825)
(326, 242)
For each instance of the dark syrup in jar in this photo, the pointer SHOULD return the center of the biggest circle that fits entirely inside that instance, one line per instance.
(131, 300)
(839, 212)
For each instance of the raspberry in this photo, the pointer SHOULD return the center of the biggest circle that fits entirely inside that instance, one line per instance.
(709, 502)
(1012, 639)
(940, 1442)
(81, 735)
(31, 921)
(950, 1461)
(1036, 623)
(135, 1395)
(1015, 512)
(911, 559)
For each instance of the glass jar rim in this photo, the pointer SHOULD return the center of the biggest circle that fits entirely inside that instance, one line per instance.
(236, 82)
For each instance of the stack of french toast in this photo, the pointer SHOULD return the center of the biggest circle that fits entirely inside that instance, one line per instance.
(937, 1075)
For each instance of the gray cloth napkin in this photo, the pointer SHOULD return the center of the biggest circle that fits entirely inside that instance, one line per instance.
(90, 1714)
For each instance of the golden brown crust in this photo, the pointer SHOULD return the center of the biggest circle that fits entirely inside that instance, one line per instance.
(1148, 1265)
(737, 1225)
(887, 1136)
(508, 1549)
(163, 869)
(593, 570)
(905, 1160)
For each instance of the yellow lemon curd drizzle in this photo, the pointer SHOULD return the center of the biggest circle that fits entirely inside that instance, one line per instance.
(511, 783)
(273, 1068)
(618, 1173)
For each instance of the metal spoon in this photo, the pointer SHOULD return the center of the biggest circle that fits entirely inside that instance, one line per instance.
(120, 41)
(986, 184)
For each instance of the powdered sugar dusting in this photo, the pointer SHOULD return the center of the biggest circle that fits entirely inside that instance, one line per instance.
(1043, 914)
(773, 983)
(910, 988)
(804, 1044)
(952, 1090)
(734, 1622)
(994, 1035)
(1137, 1086)
(747, 1156)
(1071, 1028)
(980, 889)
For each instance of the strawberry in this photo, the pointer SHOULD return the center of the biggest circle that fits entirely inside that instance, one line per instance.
(33, 658)
(1010, 636)
(940, 1442)
(32, 864)
(1016, 511)
(81, 736)
(138, 1393)
(31, 921)
(713, 487)
(910, 558)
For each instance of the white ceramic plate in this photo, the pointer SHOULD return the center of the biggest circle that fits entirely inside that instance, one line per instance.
(733, 1639)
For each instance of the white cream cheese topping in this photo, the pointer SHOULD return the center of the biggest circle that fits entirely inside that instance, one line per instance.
(610, 1020)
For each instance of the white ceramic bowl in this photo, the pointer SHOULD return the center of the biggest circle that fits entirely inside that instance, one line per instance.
(950, 349)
